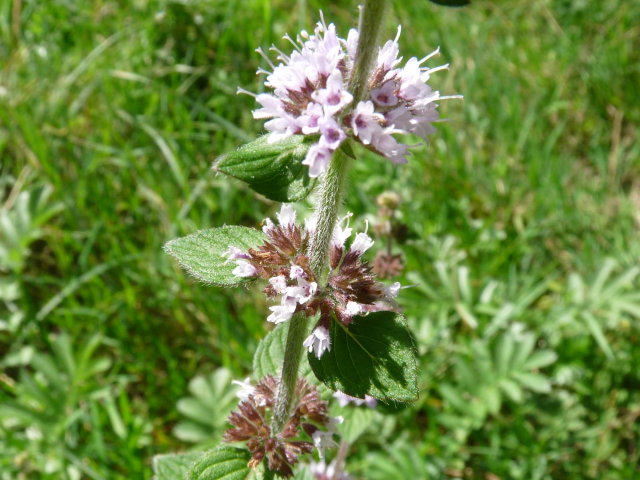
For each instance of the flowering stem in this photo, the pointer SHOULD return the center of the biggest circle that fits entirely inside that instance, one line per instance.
(327, 211)
(369, 26)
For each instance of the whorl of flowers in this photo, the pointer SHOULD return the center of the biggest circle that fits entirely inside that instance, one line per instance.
(252, 424)
(311, 97)
(351, 288)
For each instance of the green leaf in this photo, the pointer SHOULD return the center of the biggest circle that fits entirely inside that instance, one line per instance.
(223, 462)
(274, 170)
(202, 253)
(356, 421)
(540, 359)
(375, 355)
(173, 466)
(270, 354)
(533, 381)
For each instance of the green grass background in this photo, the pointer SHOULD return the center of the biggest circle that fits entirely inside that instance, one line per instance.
(111, 113)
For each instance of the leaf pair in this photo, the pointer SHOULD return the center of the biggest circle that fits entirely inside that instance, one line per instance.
(376, 355)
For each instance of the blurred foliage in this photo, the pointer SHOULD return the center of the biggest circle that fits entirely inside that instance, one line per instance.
(523, 247)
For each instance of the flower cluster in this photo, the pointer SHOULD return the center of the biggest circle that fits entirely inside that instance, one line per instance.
(252, 424)
(311, 97)
(351, 288)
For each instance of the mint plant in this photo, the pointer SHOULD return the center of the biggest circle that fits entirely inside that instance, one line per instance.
(329, 94)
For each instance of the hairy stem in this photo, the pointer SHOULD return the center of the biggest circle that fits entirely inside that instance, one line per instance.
(369, 26)
(327, 212)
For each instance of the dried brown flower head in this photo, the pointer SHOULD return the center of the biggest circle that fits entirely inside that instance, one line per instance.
(252, 424)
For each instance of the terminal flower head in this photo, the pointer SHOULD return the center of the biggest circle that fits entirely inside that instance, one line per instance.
(311, 96)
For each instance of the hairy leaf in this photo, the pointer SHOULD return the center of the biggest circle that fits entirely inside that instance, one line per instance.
(202, 253)
(375, 355)
(173, 466)
(223, 462)
(271, 169)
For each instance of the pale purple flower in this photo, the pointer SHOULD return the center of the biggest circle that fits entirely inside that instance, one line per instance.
(317, 159)
(279, 283)
(340, 235)
(361, 244)
(246, 389)
(310, 96)
(323, 471)
(392, 290)
(286, 216)
(333, 97)
(318, 342)
(353, 308)
(385, 95)
(323, 440)
(234, 253)
(296, 271)
(281, 313)
(308, 120)
(244, 269)
(366, 122)
(331, 133)
(344, 400)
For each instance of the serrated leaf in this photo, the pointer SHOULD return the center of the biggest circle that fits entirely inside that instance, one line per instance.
(270, 354)
(375, 355)
(274, 170)
(202, 253)
(173, 466)
(223, 462)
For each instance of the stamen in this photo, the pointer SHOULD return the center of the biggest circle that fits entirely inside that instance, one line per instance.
(281, 55)
(246, 92)
(437, 69)
(432, 54)
(267, 59)
(292, 42)
(395, 40)
(324, 24)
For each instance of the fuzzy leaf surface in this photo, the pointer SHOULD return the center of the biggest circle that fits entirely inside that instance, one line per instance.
(173, 466)
(375, 355)
(274, 170)
(202, 253)
(222, 462)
